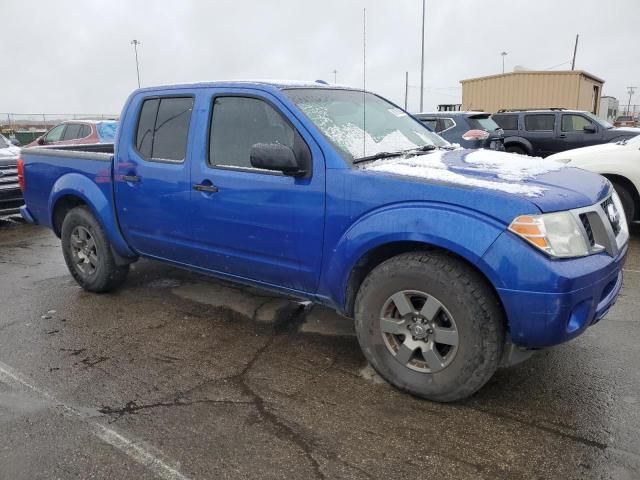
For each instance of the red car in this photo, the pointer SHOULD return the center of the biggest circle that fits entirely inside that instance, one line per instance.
(625, 121)
(78, 132)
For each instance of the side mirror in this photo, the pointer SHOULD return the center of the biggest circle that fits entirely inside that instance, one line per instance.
(277, 157)
(589, 129)
(40, 141)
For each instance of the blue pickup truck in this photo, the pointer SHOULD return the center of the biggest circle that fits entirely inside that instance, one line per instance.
(452, 262)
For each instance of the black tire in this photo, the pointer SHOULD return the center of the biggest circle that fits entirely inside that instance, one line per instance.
(463, 293)
(516, 149)
(105, 275)
(628, 203)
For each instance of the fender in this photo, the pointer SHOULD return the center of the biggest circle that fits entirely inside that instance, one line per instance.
(86, 189)
(431, 223)
(521, 140)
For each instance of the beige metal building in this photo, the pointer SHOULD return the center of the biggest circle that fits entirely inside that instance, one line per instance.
(573, 89)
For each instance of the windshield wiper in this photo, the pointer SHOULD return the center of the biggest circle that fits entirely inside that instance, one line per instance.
(380, 155)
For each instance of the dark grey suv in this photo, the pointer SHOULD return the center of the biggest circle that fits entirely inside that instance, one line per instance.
(469, 129)
(544, 132)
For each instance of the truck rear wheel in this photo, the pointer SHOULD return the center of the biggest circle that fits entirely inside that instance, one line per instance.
(87, 252)
(430, 325)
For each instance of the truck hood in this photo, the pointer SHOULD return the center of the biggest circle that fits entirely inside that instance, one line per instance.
(550, 185)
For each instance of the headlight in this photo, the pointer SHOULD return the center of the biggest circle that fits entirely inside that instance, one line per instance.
(557, 234)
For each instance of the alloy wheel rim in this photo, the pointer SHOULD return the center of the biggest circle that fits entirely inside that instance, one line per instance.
(84, 250)
(419, 331)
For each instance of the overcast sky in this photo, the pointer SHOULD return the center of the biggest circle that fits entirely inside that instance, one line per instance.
(75, 56)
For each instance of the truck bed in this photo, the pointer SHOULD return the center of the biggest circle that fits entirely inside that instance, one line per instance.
(59, 168)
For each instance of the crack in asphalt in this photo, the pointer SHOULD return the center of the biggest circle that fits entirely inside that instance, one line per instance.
(133, 407)
(280, 428)
(555, 431)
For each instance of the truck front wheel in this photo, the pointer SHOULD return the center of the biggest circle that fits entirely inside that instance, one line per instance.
(87, 252)
(430, 325)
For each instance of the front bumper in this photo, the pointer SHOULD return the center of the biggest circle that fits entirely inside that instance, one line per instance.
(548, 302)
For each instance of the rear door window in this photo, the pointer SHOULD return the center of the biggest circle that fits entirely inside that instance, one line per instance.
(72, 132)
(432, 123)
(446, 124)
(507, 122)
(85, 131)
(163, 128)
(484, 123)
(539, 122)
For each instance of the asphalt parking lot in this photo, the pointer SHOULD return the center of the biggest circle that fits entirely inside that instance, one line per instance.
(177, 376)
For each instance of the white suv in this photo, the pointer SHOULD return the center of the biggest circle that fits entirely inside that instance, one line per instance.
(619, 162)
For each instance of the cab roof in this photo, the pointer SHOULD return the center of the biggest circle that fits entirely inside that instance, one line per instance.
(274, 84)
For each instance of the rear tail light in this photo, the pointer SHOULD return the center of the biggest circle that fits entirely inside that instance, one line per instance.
(475, 135)
(21, 173)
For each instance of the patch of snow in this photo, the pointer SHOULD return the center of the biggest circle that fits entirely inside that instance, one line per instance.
(353, 139)
(432, 167)
(509, 166)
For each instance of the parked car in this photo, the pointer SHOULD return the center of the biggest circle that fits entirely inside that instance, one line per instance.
(625, 121)
(78, 133)
(468, 129)
(10, 194)
(619, 162)
(544, 132)
(451, 261)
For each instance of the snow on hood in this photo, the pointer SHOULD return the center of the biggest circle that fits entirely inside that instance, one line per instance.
(504, 172)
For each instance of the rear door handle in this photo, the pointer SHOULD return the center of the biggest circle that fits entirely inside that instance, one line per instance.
(562, 135)
(130, 178)
(205, 188)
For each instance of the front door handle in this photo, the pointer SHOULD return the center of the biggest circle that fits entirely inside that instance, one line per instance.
(200, 187)
(130, 178)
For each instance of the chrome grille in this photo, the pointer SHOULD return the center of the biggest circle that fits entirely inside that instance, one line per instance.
(612, 214)
(587, 228)
(602, 227)
(10, 194)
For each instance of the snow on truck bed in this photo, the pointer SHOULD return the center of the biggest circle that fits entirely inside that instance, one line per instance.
(506, 172)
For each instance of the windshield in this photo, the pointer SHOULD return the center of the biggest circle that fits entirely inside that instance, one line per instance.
(599, 121)
(483, 123)
(362, 124)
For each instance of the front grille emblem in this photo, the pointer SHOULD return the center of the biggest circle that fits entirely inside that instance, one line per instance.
(614, 216)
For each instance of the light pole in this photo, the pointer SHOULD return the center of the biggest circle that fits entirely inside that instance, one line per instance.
(504, 54)
(135, 44)
(630, 91)
(335, 76)
(422, 58)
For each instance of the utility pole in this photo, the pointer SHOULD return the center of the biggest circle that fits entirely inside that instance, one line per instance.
(135, 44)
(335, 76)
(630, 91)
(575, 50)
(422, 59)
(504, 54)
(406, 88)
(364, 81)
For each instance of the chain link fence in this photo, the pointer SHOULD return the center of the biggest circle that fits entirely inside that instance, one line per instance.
(44, 121)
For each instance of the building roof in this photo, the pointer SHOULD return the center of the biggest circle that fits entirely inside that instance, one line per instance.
(537, 72)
